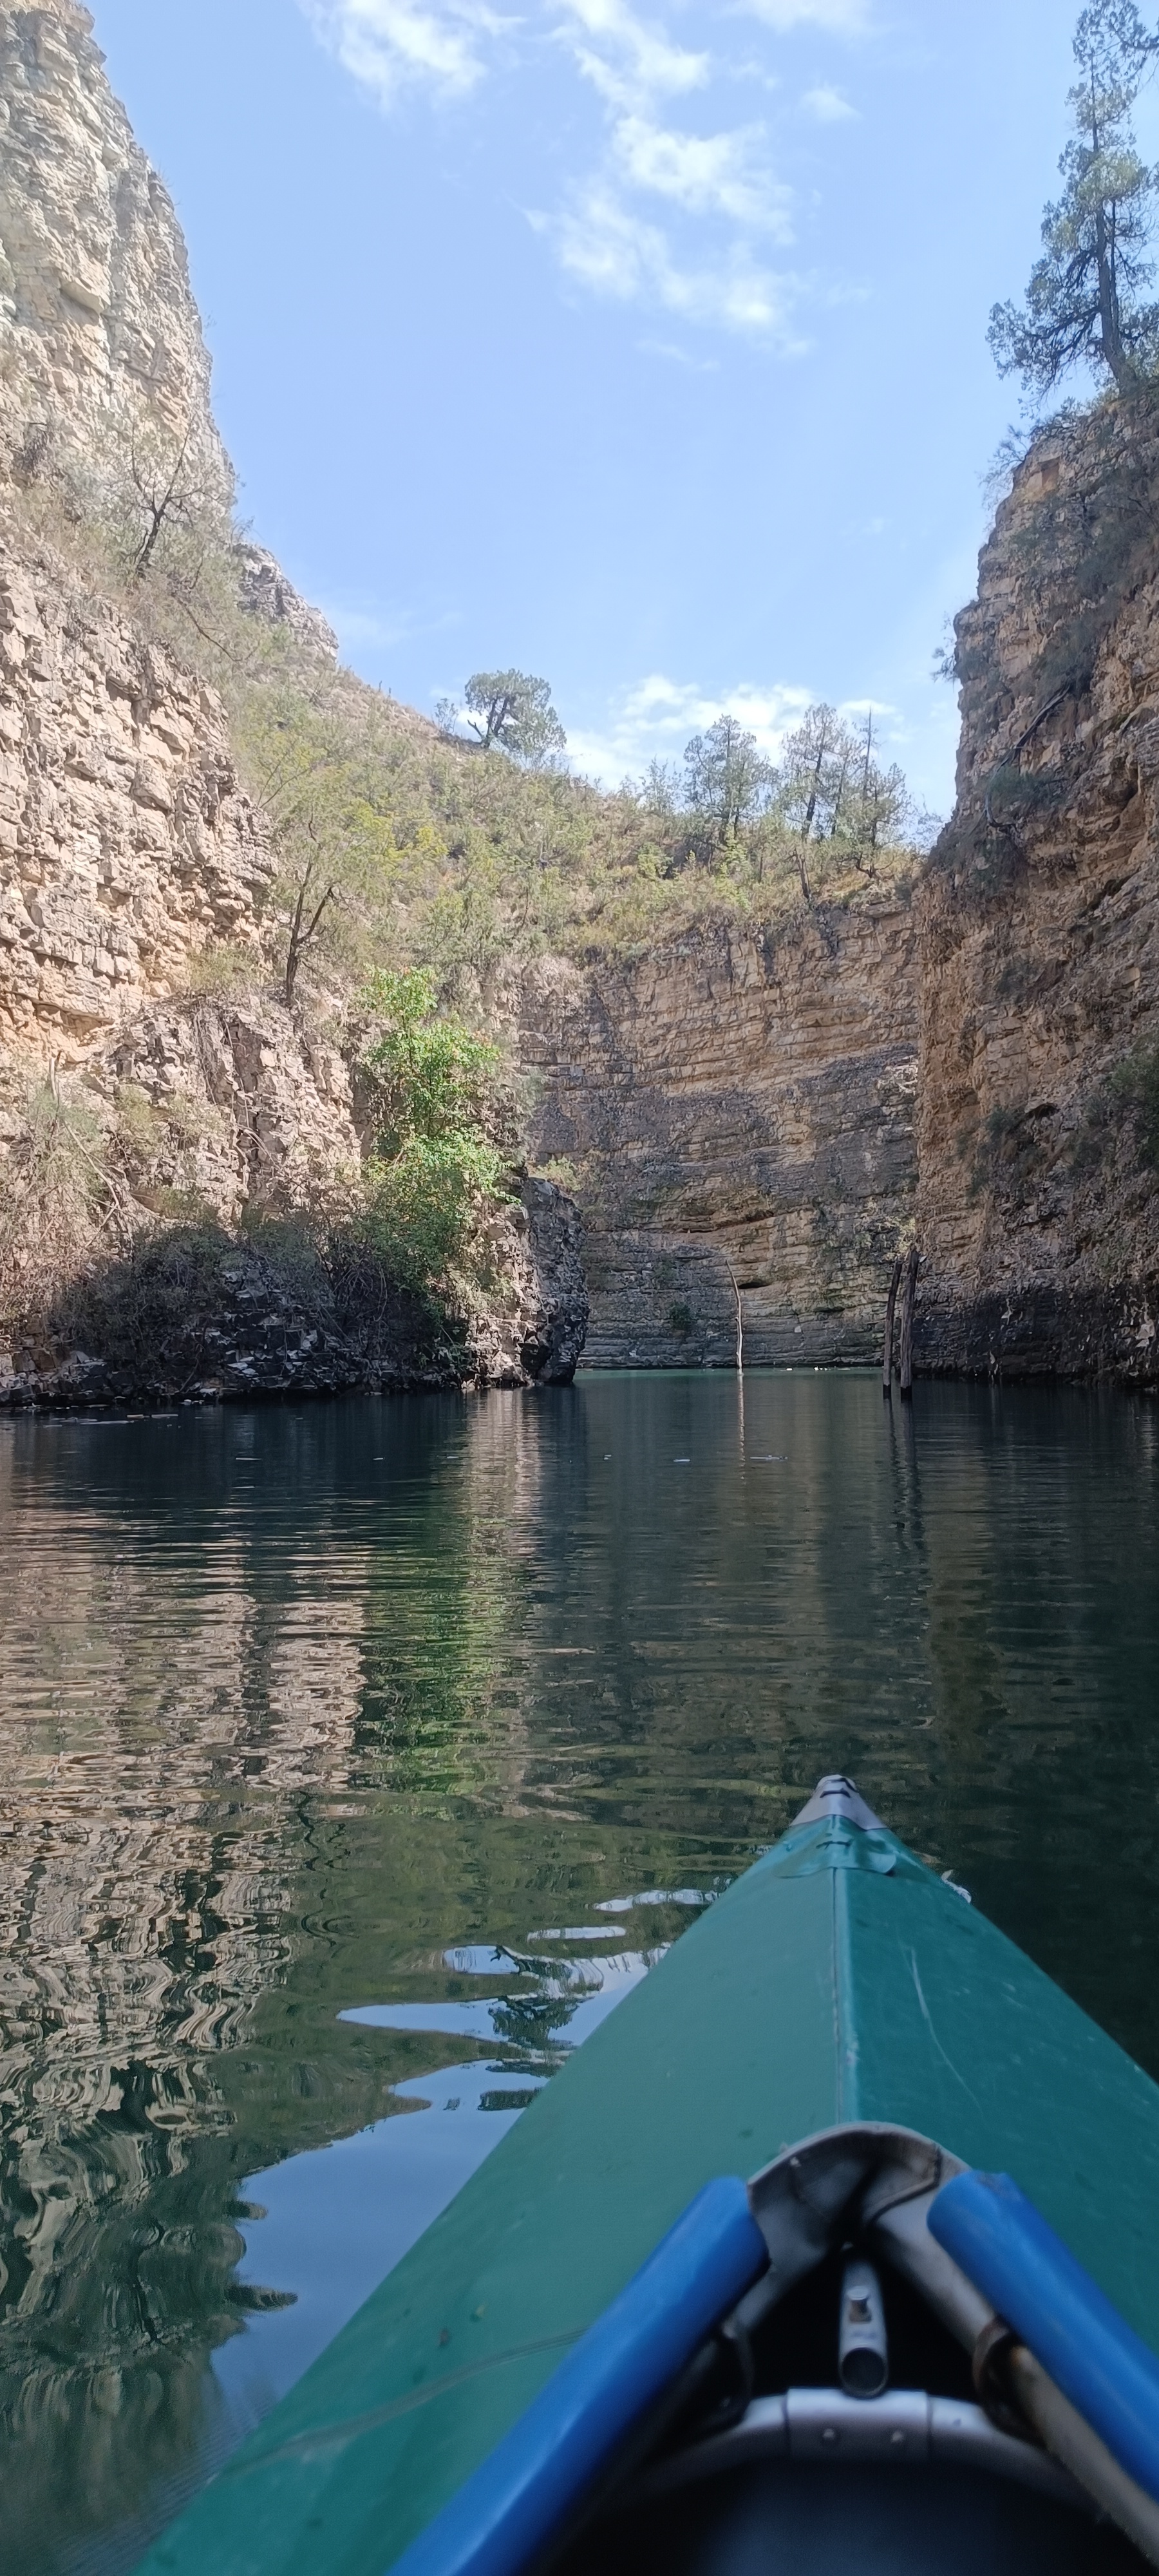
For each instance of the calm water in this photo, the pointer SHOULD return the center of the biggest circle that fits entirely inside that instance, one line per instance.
(357, 1758)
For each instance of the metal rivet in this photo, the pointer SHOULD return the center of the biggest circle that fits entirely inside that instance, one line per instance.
(829, 2433)
(897, 2441)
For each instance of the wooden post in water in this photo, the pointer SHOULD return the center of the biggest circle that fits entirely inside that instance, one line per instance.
(739, 1320)
(906, 1369)
(887, 1354)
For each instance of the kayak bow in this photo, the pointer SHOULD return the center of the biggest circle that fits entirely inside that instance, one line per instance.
(842, 2027)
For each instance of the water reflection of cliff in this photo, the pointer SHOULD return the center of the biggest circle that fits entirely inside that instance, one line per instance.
(293, 1703)
(209, 1651)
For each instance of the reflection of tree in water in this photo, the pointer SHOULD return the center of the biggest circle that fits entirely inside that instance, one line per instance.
(533, 2023)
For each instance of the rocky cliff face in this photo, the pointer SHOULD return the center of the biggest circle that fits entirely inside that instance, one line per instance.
(758, 1120)
(1039, 920)
(126, 847)
(736, 1115)
(753, 1118)
(133, 875)
(100, 340)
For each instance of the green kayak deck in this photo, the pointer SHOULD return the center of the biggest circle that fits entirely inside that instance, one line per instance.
(838, 1980)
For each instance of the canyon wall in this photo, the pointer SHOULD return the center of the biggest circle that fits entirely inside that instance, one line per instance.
(753, 1118)
(135, 991)
(735, 1113)
(761, 1117)
(101, 347)
(1038, 1202)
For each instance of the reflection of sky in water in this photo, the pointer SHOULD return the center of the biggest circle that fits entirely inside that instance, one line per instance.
(335, 2220)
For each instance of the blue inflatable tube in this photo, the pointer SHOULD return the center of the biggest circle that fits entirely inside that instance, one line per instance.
(542, 2467)
(998, 2239)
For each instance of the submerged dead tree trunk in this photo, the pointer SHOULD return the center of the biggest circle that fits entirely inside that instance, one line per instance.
(887, 1353)
(906, 1370)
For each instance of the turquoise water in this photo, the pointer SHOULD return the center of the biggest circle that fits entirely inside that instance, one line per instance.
(358, 1757)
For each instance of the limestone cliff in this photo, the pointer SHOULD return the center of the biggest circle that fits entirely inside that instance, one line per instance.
(1039, 923)
(100, 340)
(150, 1081)
(126, 847)
(736, 1115)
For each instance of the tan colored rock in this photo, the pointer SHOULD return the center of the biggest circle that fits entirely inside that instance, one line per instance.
(100, 340)
(126, 846)
(1040, 966)
(735, 1113)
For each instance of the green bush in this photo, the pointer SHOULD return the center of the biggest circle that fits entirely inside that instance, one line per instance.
(435, 1173)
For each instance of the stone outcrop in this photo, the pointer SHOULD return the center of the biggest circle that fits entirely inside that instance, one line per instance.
(133, 879)
(197, 1319)
(100, 341)
(736, 1115)
(1038, 1211)
(126, 847)
(762, 1118)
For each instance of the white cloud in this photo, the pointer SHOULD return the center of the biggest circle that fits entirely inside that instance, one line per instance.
(669, 219)
(827, 105)
(711, 174)
(654, 720)
(392, 44)
(628, 61)
(616, 253)
(834, 17)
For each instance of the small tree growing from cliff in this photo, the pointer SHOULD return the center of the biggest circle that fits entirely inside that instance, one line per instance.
(335, 846)
(1086, 302)
(435, 1170)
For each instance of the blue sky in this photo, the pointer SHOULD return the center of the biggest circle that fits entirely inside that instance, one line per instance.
(640, 347)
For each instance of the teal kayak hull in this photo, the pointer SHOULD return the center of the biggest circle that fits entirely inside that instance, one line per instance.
(839, 1980)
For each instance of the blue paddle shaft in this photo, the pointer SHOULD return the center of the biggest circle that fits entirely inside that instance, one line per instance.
(539, 2471)
(998, 2239)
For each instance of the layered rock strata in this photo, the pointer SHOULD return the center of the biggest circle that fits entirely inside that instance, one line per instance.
(736, 1116)
(1039, 917)
(101, 347)
(126, 846)
(133, 877)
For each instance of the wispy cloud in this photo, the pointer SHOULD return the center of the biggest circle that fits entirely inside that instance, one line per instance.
(678, 357)
(827, 105)
(670, 218)
(612, 250)
(627, 59)
(833, 17)
(712, 174)
(391, 45)
(655, 719)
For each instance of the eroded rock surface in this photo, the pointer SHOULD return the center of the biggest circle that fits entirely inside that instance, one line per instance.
(1038, 1212)
(736, 1115)
(100, 339)
(126, 846)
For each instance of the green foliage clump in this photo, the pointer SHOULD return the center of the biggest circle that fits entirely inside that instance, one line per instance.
(513, 709)
(435, 1172)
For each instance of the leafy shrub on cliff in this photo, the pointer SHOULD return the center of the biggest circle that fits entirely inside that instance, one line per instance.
(435, 1173)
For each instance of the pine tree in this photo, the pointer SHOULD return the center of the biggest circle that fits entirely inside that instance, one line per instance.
(1086, 302)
